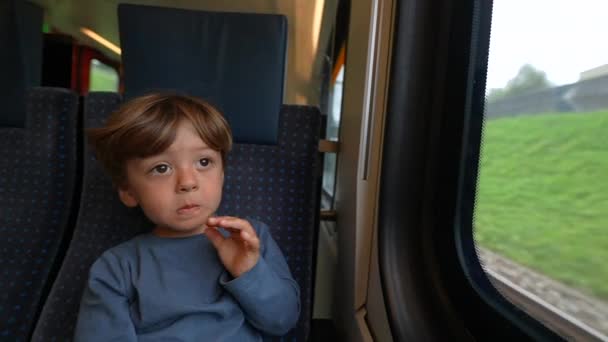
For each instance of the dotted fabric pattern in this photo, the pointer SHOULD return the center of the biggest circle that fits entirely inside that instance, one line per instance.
(276, 184)
(102, 223)
(279, 185)
(37, 184)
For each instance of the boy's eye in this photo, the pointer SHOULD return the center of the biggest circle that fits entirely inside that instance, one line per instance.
(204, 162)
(161, 168)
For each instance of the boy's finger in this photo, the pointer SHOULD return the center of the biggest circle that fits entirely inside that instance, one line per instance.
(235, 223)
(214, 236)
(217, 221)
(213, 221)
(252, 240)
(224, 220)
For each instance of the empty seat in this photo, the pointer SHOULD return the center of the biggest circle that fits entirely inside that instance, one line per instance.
(38, 179)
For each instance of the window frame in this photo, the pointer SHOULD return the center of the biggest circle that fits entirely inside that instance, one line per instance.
(433, 284)
(85, 55)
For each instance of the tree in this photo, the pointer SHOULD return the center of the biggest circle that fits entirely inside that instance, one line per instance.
(528, 79)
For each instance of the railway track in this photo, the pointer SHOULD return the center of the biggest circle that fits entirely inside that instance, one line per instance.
(572, 314)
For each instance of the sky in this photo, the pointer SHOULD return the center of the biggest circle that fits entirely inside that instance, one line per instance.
(560, 37)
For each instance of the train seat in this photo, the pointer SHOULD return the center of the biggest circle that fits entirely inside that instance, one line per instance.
(237, 61)
(103, 221)
(38, 182)
(273, 171)
(275, 184)
(279, 185)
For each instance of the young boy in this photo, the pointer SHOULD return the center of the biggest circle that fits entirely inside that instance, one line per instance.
(195, 277)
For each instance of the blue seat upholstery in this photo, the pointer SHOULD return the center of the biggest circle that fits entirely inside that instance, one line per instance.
(234, 60)
(102, 222)
(276, 184)
(279, 185)
(20, 57)
(37, 184)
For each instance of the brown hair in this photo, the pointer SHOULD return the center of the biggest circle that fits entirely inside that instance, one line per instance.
(146, 126)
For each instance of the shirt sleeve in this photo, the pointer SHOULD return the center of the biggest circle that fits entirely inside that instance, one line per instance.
(104, 308)
(267, 293)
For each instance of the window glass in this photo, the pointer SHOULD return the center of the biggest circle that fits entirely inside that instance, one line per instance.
(333, 124)
(102, 77)
(541, 214)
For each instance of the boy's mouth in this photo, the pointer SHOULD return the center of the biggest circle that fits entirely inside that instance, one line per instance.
(188, 209)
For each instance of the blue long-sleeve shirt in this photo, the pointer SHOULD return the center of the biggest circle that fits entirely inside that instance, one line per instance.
(156, 289)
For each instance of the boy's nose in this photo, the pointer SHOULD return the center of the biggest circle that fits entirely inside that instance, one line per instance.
(187, 181)
(187, 187)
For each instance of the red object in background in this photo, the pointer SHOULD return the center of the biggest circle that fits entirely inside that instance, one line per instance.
(67, 64)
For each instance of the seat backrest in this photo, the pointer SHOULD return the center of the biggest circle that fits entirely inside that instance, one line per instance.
(275, 184)
(279, 185)
(38, 180)
(102, 222)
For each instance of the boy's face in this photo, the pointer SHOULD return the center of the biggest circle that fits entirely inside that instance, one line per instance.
(179, 188)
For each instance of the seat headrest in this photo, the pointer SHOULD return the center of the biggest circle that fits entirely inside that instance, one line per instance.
(236, 61)
(20, 57)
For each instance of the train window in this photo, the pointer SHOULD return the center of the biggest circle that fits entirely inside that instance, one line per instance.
(333, 124)
(102, 77)
(541, 213)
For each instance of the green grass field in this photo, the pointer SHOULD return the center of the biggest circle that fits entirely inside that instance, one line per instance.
(542, 195)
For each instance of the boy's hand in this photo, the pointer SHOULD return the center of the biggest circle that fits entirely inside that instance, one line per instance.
(240, 251)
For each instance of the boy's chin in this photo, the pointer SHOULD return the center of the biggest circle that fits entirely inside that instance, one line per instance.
(165, 231)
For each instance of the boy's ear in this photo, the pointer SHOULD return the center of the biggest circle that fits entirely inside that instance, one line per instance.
(126, 197)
